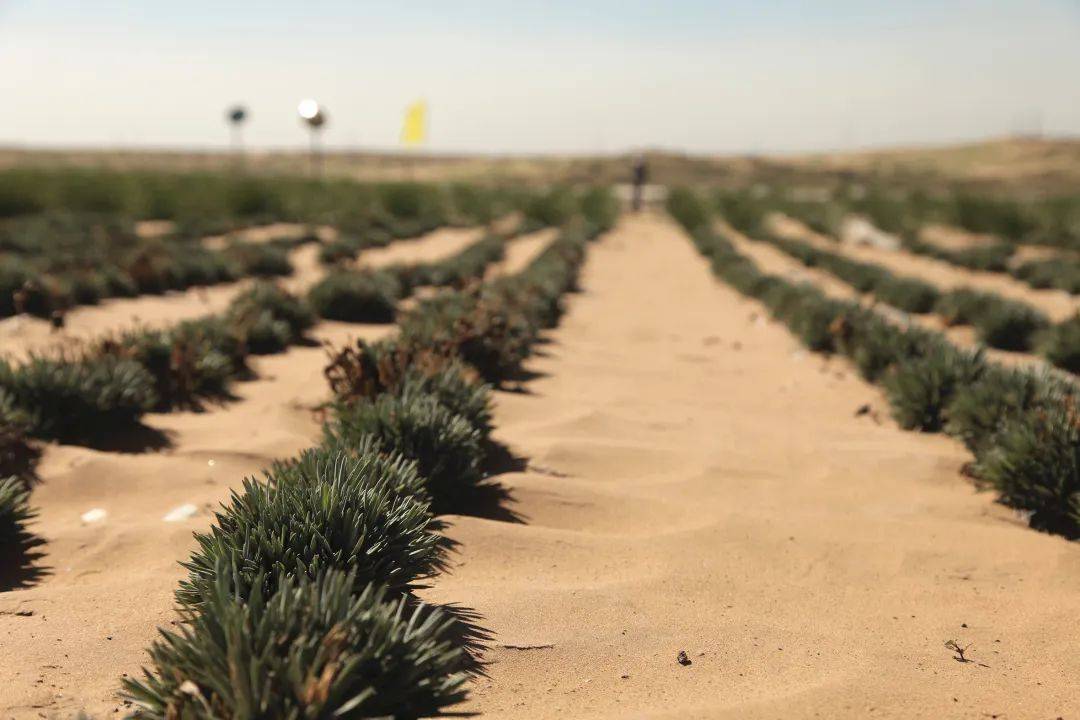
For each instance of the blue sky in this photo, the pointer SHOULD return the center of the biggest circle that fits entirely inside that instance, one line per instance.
(553, 76)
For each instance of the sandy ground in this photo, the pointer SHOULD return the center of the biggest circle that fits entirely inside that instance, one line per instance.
(427, 248)
(700, 483)
(1057, 304)
(954, 238)
(520, 251)
(108, 583)
(696, 482)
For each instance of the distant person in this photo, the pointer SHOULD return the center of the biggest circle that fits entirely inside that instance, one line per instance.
(641, 176)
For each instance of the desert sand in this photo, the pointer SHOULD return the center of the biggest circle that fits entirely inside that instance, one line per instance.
(698, 482)
(695, 482)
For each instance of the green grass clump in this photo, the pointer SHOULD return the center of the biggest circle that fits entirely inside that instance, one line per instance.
(361, 464)
(457, 270)
(1000, 323)
(268, 317)
(356, 296)
(446, 447)
(456, 388)
(978, 411)
(907, 294)
(15, 513)
(344, 515)
(1035, 466)
(314, 649)
(70, 398)
(600, 207)
(919, 390)
(260, 259)
(182, 360)
(1010, 325)
(1059, 273)
(689, 209)
(1060, 344)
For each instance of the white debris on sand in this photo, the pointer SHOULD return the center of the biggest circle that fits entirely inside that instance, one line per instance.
(93, 516)
(183, 512)
(855, 230)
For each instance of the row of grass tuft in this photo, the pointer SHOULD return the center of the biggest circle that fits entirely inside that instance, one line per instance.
(297, 602)
(109, 384)
(1020, 424)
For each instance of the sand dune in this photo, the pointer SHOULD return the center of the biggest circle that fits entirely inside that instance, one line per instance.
(698, 482)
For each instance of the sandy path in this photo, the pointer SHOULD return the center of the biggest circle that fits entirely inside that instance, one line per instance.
(436, 245)
(520, 251)
(1057, 304)
(109, 584)
(715, 494)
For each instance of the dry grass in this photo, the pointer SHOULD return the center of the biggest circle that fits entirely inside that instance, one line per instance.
(1028, 164)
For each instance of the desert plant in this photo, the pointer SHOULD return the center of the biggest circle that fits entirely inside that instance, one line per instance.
(346, 517)
(15, 513)
(1035, 466)
(260, 259)
(978, 411)
(282, 305)
(314, 649)
(1060, 344)
(356, 296)
(688, 208)
(920, 389)
(1009, 325)
(907, 294)
(362, 464)
(69, 397)
(446, 447)
(456, 387)
(182, 360)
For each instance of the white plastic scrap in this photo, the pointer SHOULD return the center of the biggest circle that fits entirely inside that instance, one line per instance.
(93, 516)
(183, 512)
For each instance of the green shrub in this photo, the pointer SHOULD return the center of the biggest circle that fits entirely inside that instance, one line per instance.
(362, 464)
(183, 362)
(346, 517)
(688, 209)
(314, 649)
(356, 296)
(70, 398)
(260, 259)
(1009, 325)
(979, 410)
(268, 318)
(15, 513)
(17, 455)
(1060, 344)
(919, 390)
(446, 447)
(961, 306)
(1035, 466)
(551, 208)
(907, 294)
(456, 389)
(600, 207)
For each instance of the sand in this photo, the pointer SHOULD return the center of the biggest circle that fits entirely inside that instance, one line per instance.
(695, 482)
(698, 482)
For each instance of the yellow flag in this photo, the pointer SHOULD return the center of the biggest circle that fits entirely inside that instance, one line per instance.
(414, 129)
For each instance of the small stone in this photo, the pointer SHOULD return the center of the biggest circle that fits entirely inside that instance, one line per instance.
(683, 659)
